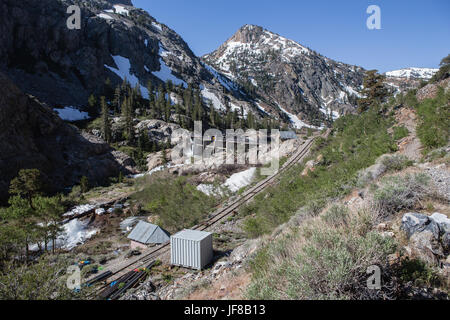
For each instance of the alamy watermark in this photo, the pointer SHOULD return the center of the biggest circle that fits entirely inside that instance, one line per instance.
(374, 20)
(74, 279)
(374, 280)
(74, 20)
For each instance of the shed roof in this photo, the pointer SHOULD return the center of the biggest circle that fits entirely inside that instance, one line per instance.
(194, 235)
(146, 233)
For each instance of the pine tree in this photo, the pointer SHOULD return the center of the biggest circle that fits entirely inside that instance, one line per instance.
(108, 90)
(92, 102)
(49, 211)
(117, 99)
(374, 92)
(151, 99)
(27, 184)
(106, 122)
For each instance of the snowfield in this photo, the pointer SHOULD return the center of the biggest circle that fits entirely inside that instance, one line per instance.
(418, 73)
(165, 74)
(71, 114)
(298, 124)
(210, 96)
(124, 72)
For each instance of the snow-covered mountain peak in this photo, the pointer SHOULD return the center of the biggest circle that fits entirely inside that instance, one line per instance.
(289, 78)
(413, 73)
(257, 42)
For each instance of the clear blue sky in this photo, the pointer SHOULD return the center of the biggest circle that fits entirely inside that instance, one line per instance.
(414, 33)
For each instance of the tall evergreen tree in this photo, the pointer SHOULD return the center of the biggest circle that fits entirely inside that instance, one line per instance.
(106, 122)
(92, 103)
(374, 92)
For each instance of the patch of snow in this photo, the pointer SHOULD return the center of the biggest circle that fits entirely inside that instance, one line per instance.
(261, 108)
(75, 233)
(234, 183)
(240, 180)
(208, 189)
(417, 73)
(121, 10)
(238, 108)
(298, 124)
(157, 26)
(230, 85)
(100, 211)
(352, 91)
(79, 210)
(124, 71)
(210, 96)
(129, 223)
(71, 114)
(105, 16)
(157, 169)
(165, 73)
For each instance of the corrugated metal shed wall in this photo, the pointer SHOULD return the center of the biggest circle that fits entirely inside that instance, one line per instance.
(191, 252)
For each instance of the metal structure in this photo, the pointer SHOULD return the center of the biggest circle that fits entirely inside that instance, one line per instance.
(191, 249)
(147, 233)
(151, 255)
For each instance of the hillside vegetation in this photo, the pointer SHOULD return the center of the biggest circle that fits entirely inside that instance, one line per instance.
(325, 244)
(355, 143)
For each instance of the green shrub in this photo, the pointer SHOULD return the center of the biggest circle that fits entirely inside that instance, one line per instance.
(396, 193)
(417, 271)
(396, 162)
(177, 203)
(324, 260)
(336, 216)
(434, 121)
(400, 132)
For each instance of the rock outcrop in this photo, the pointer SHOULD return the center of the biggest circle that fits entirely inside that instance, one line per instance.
(428, 236)
(33, 136)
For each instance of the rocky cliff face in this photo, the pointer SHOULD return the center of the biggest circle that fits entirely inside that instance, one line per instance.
(284, 73)
(33, 136)
(62, 66)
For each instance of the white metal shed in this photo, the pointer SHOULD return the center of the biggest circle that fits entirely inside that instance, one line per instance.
(146, 233)
(191, 249)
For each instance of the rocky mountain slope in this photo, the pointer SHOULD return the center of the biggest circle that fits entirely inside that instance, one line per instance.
(290, 78)
(406, 79)
(32, 136)
(63, 67)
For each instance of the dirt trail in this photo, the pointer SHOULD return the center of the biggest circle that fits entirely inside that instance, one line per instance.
(409, 146)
